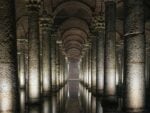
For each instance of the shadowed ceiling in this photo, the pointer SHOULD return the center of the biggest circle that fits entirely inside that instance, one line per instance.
(72, 19)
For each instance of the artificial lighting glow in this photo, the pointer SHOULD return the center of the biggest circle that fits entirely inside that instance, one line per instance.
(6, 97)
(22, 79)
(34, 85)
(46, 81)
(136, 87)
(111, 83)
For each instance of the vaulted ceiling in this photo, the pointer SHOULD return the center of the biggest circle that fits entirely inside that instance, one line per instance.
(72, 19)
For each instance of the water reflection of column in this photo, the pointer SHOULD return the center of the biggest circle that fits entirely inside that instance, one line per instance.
(54, 103)
(134, 56)
(99, 108)
(8, 58)
(46, 105)
(22, 101)
(34, 109)
(93, 106)
(89, 102)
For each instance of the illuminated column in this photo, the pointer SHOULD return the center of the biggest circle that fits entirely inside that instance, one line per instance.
(22, 101)
(45, 22)
(53, 63)
(82, 72)
(99, 108)
(83, 68)
(61, 72)
(66, 69)
(93, 104)
(34, 51)
(54, 103)
(57, 67)
(8, 58)
(147, 73)
(63, 68)
(119, 68)
(99, 27)
(21, 62)
(86, 66)
(134, 56)
(110, 56)
(93, 66)
(89, 68)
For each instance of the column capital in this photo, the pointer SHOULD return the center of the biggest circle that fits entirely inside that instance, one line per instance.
(98, 23)
(33, 4)
(46, 20)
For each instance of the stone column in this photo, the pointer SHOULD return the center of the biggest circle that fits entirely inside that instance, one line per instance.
(83, 69)
(8, 58)
(110, 55)
(119, 69)
(45, 22)
(53, 63)
(99, 27)
(57, 67)
(61, 72)
(21, 62)
(34, 51)
(89, 68)
(134, 56)
(93, 66)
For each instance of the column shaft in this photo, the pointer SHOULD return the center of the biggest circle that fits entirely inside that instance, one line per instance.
(89, 68)
(34, 54)
(8, 58)
(135, 56)
(110, 57)
(46, 61)
(100, 62)
(53, 63)
(93, 64)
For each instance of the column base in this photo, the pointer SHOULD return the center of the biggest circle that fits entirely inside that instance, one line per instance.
(109, 103)
(54, 88)
(93, 90)
(46, 93)
(99, 92)
(34, 101)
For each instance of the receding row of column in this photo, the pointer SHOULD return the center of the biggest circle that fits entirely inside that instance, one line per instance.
(29, 76)
(112, 70)
(53, 67)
